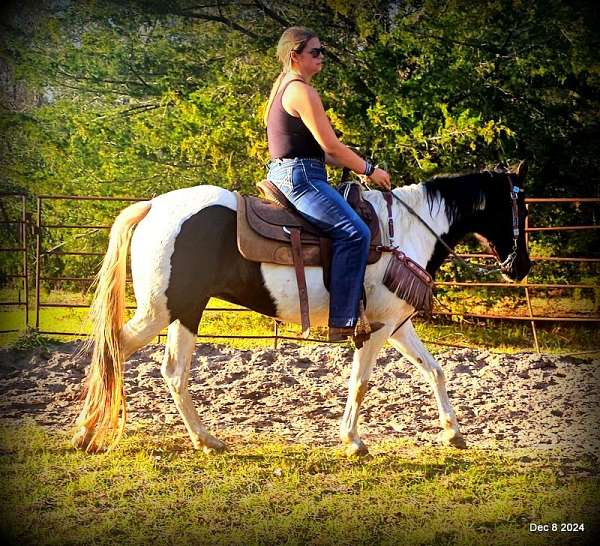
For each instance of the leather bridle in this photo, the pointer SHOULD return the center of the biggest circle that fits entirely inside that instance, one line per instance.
(508, 262)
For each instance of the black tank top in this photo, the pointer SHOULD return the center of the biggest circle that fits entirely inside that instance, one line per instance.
(287, 135)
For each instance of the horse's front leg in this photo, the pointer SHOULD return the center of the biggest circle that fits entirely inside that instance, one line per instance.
(362, 365)
(409, 344)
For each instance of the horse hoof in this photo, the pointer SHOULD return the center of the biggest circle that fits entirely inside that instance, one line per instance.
(82, 439)
(357, 448)
(452, 439)
(214, 450)
(212, 447)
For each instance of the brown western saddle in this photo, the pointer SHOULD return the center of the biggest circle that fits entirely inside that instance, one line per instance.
(270, 230)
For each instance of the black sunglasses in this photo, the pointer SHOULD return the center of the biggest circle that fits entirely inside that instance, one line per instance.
(314, 52)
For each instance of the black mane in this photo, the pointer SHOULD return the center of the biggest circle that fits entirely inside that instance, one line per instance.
(463, 193)
(479, 202)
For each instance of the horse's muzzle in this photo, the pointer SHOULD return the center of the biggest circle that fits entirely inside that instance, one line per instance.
(517, 269)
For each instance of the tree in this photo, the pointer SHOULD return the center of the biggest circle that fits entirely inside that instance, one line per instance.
(142, 97)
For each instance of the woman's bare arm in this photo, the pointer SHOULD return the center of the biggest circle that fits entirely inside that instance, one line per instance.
(305, 101)
(330, 160)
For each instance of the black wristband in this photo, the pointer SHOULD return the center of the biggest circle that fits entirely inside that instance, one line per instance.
(369, 168)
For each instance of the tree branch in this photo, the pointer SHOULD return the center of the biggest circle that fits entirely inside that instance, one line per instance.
(190, 13)
(134, 110)
(98, 91)
(273, 15)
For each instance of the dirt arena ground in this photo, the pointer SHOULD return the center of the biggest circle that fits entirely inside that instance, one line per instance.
(298, 393)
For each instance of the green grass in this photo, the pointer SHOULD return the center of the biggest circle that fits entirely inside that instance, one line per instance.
(153, 489)
(57, 319)
(502, 336)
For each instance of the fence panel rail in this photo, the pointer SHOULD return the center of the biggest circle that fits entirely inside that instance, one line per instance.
(15, 203)
(44, 224)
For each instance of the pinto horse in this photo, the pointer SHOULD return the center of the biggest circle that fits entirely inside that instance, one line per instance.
(184, 251)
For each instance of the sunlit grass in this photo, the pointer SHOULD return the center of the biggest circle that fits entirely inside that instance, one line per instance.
(153, 489)
(506, 336)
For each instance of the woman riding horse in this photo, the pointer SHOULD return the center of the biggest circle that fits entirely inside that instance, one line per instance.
(301, 141)
(184, 251)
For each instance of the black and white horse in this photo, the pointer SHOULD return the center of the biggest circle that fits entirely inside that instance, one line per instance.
(184, 251)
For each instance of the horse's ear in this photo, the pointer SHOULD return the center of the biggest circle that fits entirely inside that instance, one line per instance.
(521, 170)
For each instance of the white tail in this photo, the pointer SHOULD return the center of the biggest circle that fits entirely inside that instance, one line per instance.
(102, 419)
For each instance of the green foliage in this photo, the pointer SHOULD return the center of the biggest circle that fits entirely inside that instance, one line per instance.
(262, 491)
(142, 97)
(32, 340)
(139, 98)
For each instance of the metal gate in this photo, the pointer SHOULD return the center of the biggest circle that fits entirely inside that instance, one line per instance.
(13, 249)
(43, 227)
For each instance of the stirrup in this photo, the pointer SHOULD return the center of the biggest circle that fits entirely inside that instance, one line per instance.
(359, 339)
(364, 328)
(362, 324)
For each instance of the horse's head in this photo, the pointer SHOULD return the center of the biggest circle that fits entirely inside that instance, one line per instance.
(502, 221)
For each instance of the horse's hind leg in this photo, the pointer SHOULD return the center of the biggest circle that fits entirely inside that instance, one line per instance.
(409, 344)
(175, 370)
(140, 329)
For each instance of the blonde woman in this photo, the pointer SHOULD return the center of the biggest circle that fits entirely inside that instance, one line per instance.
(301, 141)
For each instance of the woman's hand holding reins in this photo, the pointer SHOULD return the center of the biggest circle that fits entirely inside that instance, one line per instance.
(381, 178)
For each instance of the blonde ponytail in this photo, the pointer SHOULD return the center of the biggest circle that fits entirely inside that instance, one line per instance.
(274, 90)
(292, 39)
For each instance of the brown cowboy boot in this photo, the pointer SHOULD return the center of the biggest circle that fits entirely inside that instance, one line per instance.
(359, 333)
(340, 333)
(358, 338)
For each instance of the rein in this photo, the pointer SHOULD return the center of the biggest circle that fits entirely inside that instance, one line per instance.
(502, 266)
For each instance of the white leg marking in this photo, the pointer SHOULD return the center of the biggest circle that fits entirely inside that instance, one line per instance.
(175, 370)
(409, 344)
(362, 365)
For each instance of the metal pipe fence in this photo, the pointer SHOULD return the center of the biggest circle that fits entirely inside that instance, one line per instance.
(44, 225)
(19, 202)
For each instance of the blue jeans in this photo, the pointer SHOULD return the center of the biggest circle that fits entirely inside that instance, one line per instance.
(304, 183)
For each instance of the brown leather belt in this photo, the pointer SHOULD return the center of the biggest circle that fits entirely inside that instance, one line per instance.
(300, 279)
